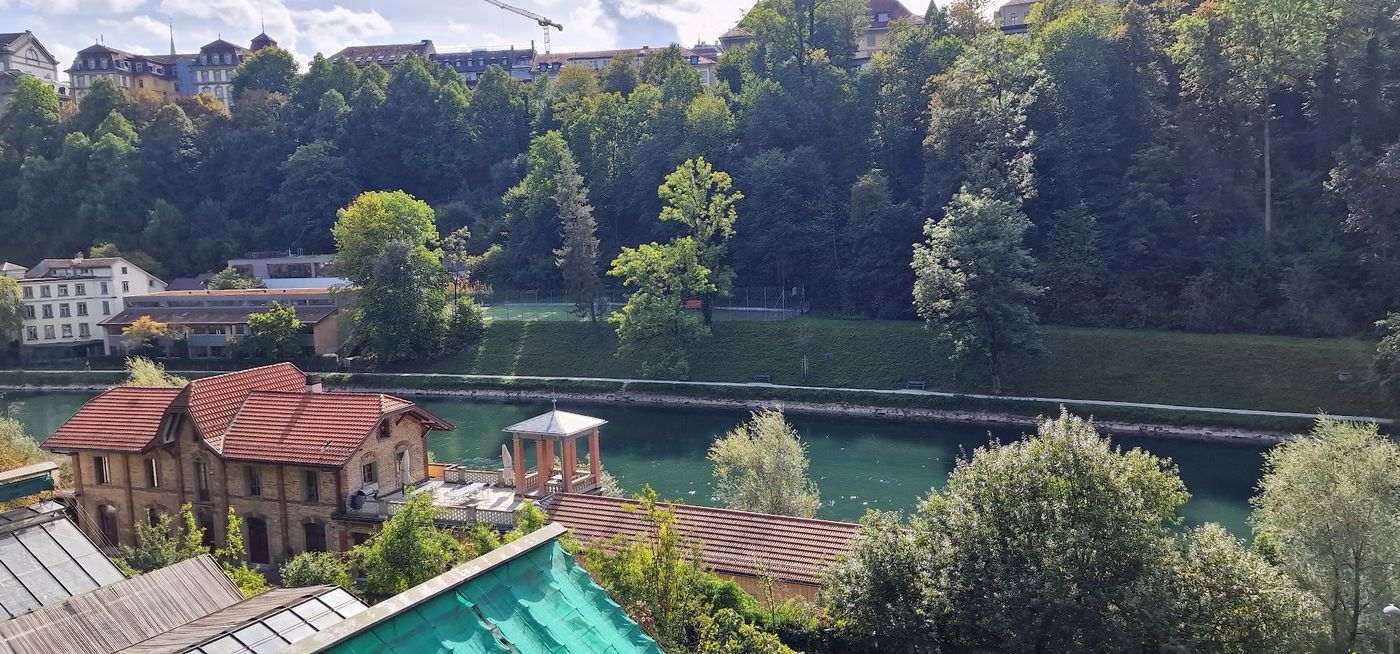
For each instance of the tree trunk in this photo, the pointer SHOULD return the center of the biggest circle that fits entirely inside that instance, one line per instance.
(1268, 171)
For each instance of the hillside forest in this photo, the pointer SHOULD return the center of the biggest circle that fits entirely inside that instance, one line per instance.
(1227, 165)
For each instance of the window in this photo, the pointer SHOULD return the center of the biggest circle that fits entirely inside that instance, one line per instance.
(80, 289)
(257, 540)
(369, 472)
(315, 536)
(65, 311)
(48, 332)
(102, 287)
(45, 291)
(106, 308)
(29, 311)
(126, 287)
(253, 478)
(68, 331)
(383, 430)
(201, 482)
(152, 473)
(206, 525)
(31, 333)
(123, 270)
(311, 481)
(101, 473)
(153, 514)
(869, 40)
(882, 17)
(48, 310)
(63, 290)
(84, 331)
(29, 292)
(82, 309)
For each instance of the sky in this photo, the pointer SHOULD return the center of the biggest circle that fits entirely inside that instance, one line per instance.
(306, 27)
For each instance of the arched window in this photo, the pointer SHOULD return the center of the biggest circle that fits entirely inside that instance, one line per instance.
(315, 536)
(107, 523)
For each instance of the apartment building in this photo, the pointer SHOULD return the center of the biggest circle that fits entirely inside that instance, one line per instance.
(386, 55)
(471, 64)
(278, 270)
(65, 301)
(213, 69)
(22, 54)
(268, 442)
(702, 59)
(1013, 17)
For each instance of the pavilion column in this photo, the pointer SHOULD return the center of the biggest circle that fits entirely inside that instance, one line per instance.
(543, 461)
(595, 467)
(519, 464)
(569, 463)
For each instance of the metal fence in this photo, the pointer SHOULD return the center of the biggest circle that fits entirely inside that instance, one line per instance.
(748, 303)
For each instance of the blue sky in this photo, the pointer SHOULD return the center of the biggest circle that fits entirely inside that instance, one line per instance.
(306, 27)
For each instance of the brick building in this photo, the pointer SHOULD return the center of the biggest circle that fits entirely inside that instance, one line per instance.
(289, 458)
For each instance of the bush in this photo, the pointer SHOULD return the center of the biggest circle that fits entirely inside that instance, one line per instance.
(465, 326)
(314, 569)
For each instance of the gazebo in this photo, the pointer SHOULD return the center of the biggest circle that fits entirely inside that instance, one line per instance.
(547, 429)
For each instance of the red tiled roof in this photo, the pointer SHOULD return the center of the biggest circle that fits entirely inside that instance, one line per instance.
(794, 550)
(309, 428)
(123, 418)
(213, 401)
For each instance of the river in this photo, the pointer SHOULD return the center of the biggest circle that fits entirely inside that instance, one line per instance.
(858, 464)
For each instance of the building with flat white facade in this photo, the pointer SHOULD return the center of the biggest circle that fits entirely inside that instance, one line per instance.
(291, 270)
(209, 323)
(65, 300)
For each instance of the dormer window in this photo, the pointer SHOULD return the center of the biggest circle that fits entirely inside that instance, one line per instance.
(882, 17)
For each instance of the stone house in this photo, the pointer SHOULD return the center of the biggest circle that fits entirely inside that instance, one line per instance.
(288, 457)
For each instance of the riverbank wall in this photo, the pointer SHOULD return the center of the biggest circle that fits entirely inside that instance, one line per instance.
(1209, 425)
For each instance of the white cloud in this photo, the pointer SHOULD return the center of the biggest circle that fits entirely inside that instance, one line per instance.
(329, 30)
(142, 25)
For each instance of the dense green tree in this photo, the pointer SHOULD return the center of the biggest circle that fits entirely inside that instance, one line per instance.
(532, 216)
(316, 182)
(621, 74)
(331, 116)
(145, 373)
(1329, 510)
(230, 278)
(399, 312)
(100, 100)
(376, 218)
(699, 198)
(1386, 364)
(874, 281)
(498, 116)
(407, 550)
(167, 156)
(791, 30)
(11, 313)
(577, 257)
(761, 466)
(465, 326)
(972, 283)
(270, 69)
(160, 541)
(315, 569)
(29, 125)
(274, 333)
(653, 326)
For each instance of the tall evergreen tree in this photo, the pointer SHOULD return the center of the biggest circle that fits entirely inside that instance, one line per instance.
(577, 258)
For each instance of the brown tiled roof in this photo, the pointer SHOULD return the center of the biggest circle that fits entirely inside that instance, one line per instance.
(123, 419)
(213, 401)
(793, 550)
(310, 428)
(210, 315)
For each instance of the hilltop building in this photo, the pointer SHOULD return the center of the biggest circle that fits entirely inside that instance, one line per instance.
(22, 54)
(65, 301)
(126, 70)
(386, 55)
(213, 69)
(882, 14)
(268, 442)
(471, 64)
(1013, 16)
(703, 60)
(287, 270)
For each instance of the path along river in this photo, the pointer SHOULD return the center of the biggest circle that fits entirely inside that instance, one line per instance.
(858, 464)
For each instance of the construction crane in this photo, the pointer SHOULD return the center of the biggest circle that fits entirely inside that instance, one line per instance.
(541, 20)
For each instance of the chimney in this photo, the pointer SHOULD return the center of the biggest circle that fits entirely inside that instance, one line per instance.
(313, 384)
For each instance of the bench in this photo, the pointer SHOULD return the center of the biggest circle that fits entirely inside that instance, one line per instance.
(917, 385)
(762, 378)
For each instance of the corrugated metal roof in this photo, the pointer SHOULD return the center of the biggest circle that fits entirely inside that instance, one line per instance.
(122, 614)
(45, 559)
(210, 315)
(789, 549)
(266, 623)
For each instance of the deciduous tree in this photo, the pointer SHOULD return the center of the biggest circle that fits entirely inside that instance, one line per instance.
(276, 332)
(407, 550)
(761, 466)
(699, 198)
(653, 325)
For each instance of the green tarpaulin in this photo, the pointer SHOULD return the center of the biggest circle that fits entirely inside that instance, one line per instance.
(540, 601)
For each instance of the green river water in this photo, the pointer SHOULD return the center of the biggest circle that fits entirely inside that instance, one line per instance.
(858, 464)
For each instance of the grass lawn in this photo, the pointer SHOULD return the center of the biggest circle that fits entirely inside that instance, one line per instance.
(1248, 372)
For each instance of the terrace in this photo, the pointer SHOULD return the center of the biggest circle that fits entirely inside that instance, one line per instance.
(468, 497)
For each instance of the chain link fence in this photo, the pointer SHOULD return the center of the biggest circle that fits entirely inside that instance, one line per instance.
(748, 303)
